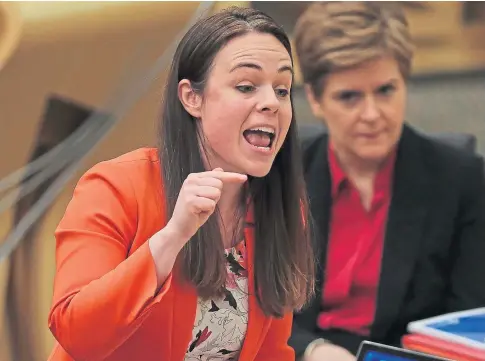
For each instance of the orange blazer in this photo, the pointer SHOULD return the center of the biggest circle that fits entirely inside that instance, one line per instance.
(105, 305)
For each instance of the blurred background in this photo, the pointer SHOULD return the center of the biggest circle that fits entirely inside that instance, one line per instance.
(93, 69)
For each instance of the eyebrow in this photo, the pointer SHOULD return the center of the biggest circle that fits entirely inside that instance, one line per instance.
(392, 81)
(257, 67)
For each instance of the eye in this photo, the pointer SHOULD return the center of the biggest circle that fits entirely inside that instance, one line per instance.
(387, 89)
(348, 96)
(245, 88)
(282, 93)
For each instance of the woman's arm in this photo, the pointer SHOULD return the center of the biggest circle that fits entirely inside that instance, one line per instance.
(468, 269)
(101, 296)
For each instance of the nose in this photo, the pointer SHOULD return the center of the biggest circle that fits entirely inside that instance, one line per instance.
(269, 101)
(370, 111)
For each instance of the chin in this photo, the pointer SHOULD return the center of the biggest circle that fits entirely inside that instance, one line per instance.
(258, 171)
(375, 154)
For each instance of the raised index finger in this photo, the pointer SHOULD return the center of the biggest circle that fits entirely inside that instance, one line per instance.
(229, 177)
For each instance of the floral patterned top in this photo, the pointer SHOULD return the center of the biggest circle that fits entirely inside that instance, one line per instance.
(220, 325)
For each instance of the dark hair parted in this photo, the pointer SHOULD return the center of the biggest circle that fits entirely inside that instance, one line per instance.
(283, 259)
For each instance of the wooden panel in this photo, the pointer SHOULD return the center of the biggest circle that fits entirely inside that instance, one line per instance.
(444, 41)
(434, 20)
(10, 30)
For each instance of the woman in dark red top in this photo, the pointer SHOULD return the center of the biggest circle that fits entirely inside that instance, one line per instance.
(399, 218)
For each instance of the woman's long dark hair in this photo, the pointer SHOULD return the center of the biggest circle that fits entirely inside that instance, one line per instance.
(283, 260)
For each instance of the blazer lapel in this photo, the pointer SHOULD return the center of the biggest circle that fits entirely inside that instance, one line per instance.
(318, 181)
(258, 323)
(405, 229)
(185, 308)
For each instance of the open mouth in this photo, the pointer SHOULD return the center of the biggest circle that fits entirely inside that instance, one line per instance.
(260, 137)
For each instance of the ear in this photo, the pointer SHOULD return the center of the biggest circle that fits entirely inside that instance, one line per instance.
(315, 104)
(191, 101)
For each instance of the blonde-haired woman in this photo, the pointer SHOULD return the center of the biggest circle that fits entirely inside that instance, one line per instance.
(399, 217)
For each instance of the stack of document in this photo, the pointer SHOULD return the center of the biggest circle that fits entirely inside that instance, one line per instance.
(458, 336)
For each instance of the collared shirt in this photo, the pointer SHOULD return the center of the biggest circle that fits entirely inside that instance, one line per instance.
(356, 242)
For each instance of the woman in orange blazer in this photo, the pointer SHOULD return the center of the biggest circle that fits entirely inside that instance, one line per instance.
(196, 250)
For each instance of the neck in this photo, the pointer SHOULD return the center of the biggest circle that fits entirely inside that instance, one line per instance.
(231, 219)
(229, 201)
(359, 168)
(231, 193)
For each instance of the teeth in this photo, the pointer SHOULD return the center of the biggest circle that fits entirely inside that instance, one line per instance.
(264, 129)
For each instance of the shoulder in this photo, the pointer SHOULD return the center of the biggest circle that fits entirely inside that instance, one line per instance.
(129, 176)
(450, 170)
(444, 158)
(312, 147)
(142, 159)
(138, 165)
